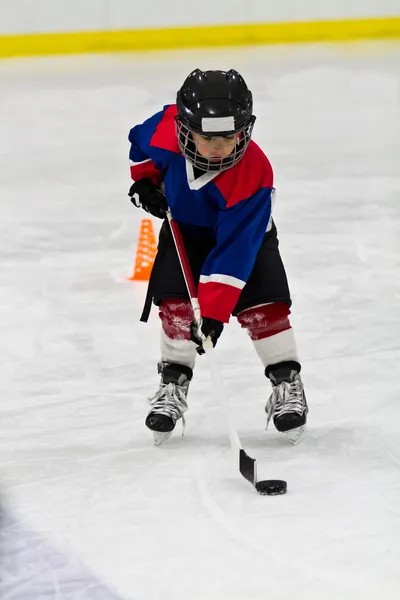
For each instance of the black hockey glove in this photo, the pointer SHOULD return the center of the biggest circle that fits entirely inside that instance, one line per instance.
(208, 327)
(145, 194)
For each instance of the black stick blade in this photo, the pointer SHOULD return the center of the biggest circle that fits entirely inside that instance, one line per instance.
(248, 467)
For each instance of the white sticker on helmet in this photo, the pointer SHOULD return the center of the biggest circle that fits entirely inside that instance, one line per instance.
(211, 125)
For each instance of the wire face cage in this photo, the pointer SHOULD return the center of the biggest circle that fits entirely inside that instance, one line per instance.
(190, 151)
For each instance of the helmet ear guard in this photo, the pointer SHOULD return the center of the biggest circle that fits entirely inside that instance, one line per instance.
(214, 104)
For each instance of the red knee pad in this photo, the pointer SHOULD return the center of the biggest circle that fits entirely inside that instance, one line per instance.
(176, 316)
(265, 320)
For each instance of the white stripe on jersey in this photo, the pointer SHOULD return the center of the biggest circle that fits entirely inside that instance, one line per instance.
(219, 278)
(273, 198)
(134, 164)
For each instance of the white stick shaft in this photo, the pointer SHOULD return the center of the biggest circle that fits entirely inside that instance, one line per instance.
(218, 386)
(220, 391)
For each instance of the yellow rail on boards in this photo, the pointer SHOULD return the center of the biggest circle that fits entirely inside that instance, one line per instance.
(197, 37)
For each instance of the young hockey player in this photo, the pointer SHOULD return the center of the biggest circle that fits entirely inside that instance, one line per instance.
(197, 158)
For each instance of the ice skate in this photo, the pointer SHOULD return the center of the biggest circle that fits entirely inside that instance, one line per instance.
(169, 402)
(287, 404)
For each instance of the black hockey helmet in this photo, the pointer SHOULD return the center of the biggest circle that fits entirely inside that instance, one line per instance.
(214, 104)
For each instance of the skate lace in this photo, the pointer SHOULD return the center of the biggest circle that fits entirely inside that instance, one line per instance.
(170, 400)
(286, 397)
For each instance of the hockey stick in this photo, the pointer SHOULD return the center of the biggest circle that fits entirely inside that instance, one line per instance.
(247, 465)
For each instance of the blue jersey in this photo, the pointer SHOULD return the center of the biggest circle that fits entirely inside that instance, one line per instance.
(233, 206)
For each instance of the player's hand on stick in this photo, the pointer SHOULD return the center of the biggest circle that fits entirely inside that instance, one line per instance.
(209, 328)
(143, 193)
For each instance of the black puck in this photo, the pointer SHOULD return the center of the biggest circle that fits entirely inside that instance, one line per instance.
(271, 487)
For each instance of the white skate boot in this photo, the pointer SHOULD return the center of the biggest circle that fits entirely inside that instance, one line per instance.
(169, 402)
(287, 403)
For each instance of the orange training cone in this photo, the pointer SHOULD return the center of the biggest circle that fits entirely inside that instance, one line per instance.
(145, 252)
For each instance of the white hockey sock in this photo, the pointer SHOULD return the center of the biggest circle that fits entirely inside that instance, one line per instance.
(182, 352)
(277, 348)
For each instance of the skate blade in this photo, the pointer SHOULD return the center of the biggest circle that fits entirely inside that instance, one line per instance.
(160, 437)
(295, 436)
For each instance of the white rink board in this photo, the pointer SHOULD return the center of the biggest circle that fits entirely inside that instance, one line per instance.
(40, 16)
(77, 465)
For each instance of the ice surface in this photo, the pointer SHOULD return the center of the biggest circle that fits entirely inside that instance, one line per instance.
(77, 465)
